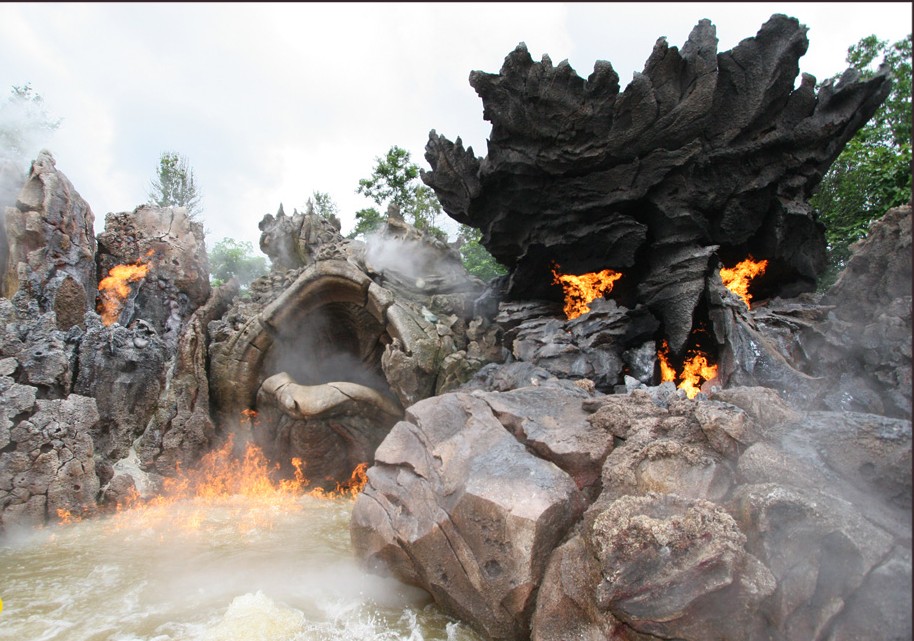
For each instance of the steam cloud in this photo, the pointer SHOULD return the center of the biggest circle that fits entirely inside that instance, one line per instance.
(25, 127)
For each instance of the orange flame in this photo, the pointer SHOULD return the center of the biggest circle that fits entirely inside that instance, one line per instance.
(583, 288)
(114, 289)
(738, 277)
(695, 370)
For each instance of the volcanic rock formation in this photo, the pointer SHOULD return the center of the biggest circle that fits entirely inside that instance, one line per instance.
(537, 507)
(710, 518)
(704, 157)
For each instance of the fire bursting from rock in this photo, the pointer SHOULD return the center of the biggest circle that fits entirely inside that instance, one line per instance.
(738, 278)
(114, 288)
(581, 289)
(245, 485)
(696, 370)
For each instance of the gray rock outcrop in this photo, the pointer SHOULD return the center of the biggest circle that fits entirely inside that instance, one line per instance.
(710, 519)
(49, 240)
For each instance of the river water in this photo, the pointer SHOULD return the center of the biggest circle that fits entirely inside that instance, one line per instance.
(225, 569)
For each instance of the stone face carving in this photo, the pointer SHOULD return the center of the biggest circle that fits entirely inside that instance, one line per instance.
(341, 336)
(703, 153)
(50, 231)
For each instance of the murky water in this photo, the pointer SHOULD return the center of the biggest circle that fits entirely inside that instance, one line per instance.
(215, 571)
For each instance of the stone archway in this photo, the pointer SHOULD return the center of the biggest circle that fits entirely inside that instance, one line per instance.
(328, 366)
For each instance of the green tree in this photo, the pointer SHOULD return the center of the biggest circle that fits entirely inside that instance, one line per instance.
(324, 206)
(873, 172)
(395, 181)
(24, 121)
(174, 185)
(231, 258)
(366, 221)
(476, 259)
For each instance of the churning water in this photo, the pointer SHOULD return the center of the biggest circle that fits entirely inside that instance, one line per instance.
(193, 570)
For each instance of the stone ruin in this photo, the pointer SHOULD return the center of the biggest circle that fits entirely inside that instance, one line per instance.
(529, 471)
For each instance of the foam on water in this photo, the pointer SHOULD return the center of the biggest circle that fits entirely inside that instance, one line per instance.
(132, 578)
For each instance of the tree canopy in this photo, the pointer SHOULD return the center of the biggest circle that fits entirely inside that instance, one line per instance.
(24, 121)
(231, 258)
(174, 185)
(873, 172)
(395, 181)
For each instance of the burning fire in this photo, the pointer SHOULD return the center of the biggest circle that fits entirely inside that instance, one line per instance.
(695, 370)
(115, 287)
(244, 486)
(583, 288)
(738, 277)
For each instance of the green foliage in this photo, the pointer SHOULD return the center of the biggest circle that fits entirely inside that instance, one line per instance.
(476, 259)
(366, 221)
(174, 185)
(395, 181)
(23, 121)
(231, 258)
(873, 172)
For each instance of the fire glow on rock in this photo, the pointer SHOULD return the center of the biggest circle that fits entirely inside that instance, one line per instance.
(581, 289)
(696, 370)
(738, 277)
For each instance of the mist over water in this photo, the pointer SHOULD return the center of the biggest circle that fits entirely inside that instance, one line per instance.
(214, 571)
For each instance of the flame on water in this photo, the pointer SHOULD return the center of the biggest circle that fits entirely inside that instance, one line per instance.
(695, 370)
(738, 277)
(581, 289)
(115, 287)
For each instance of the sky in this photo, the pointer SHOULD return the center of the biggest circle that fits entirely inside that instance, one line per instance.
(270, 102)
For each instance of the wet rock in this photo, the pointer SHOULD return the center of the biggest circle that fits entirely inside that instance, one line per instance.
(181, 429)
(863, 347)
(124, 379)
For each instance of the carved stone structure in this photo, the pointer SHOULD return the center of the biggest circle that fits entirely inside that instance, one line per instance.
(329, 353)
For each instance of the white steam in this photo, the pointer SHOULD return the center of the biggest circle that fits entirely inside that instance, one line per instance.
(416, 264)
(25, 128)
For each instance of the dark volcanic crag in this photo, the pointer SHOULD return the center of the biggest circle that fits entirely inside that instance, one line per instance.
(704, 157)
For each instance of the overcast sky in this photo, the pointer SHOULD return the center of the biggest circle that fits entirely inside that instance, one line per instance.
(270, 102)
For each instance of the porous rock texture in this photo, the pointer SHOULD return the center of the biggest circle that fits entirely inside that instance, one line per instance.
(704, 157)
(48, 239)
(734, 517)
(84, 400)
(172, 244)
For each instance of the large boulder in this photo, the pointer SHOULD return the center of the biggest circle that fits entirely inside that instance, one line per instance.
(864, 345)
(734, 517)
(457, 504)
